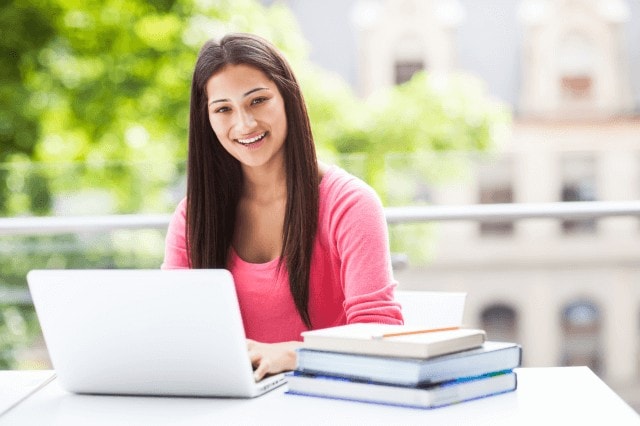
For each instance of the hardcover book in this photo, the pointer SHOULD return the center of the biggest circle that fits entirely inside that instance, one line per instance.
(427, 396)
(392, 340)
(490, 357)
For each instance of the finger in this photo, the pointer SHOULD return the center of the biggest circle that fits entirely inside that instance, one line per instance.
(262, 370)
(255, 358)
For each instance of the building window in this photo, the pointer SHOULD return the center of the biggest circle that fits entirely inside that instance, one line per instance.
(579, 184)
(576, 87)
(496, 195)
(576, 64)
(500, 323)
(409, 57)
(495, 186)
(406, 69)
(581, 325)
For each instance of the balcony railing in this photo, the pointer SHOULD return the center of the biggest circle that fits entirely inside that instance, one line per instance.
(51, 225)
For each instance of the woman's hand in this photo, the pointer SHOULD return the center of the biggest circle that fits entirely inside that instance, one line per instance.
(272, 358)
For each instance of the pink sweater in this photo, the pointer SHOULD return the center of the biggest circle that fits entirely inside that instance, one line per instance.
(351, 277)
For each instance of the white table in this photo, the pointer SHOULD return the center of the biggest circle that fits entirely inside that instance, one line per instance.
(545, 396)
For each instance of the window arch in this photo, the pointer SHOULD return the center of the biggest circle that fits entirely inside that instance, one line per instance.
(576, 67)
(581, 328)
(500, 321)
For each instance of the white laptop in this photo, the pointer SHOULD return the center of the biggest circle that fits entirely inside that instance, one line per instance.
(145, 332)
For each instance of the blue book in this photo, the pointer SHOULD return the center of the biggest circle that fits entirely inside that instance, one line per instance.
(490, 357)
(424, 396)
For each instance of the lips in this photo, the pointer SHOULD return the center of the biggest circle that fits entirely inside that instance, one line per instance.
(250, 141)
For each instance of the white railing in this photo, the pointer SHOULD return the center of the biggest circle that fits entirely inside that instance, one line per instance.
(49, 225)
(510, 212)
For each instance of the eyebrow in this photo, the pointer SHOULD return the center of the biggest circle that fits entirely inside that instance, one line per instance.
(244, 96)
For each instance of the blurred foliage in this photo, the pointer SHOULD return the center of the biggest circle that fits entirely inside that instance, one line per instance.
(430, 113)
(107, 82)
(94, 113)
(19, 327)
(104, 83)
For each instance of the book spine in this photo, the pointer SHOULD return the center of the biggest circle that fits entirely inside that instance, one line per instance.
(432, 397)
(407, 372)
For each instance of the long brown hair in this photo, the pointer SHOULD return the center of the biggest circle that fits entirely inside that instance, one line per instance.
(214, 177)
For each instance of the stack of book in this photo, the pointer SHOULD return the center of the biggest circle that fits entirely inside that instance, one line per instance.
(399, 365)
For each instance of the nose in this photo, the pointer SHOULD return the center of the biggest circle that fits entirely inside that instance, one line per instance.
(245, 121)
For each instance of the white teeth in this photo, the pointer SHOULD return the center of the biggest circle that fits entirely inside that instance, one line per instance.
(252, 140)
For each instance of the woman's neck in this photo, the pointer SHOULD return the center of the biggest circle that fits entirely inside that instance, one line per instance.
(264, 184)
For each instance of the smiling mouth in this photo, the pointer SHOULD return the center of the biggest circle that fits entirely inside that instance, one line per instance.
(252, 140)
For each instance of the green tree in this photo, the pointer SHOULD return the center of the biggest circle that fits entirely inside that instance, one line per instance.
(106, 83)
(25, 30)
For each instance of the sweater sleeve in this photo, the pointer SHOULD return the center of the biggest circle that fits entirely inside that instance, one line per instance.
(175, 247)
(361, 240)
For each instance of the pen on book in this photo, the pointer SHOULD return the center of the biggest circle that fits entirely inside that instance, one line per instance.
(405, 333)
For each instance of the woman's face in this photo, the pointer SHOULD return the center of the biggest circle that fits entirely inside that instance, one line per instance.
(247, 114)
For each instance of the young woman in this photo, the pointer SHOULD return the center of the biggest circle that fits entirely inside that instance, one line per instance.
(306, 243)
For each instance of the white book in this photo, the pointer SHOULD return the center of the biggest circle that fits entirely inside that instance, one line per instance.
(431, 396)
(392, 340)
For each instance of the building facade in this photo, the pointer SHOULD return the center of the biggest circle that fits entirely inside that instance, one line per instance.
(568, 291)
